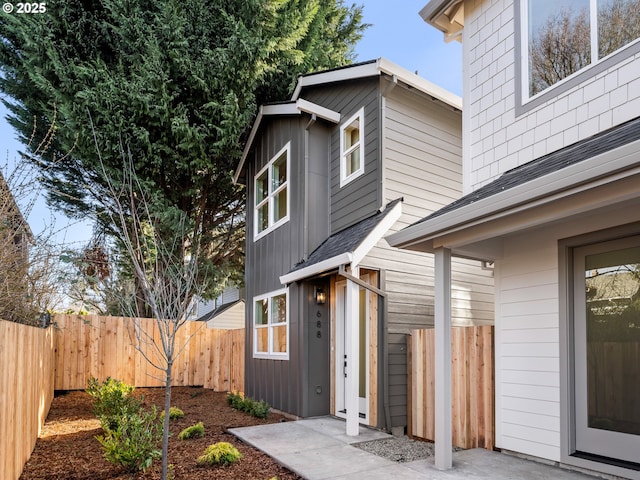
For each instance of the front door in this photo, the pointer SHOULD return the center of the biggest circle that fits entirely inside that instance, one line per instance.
(607, 349)
(342, 357)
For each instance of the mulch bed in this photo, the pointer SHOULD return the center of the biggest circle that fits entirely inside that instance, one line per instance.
(68, 450)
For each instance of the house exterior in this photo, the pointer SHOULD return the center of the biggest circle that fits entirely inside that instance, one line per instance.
(225, 312)
(551, 162)
(356, 153)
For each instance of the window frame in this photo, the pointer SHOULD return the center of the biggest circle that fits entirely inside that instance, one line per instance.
(270, 354)
(526, 102)
(271, 194)
(344, 178)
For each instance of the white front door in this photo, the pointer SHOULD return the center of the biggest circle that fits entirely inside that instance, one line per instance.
(342, 357)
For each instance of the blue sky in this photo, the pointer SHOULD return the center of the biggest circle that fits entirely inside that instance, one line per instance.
(397, 33)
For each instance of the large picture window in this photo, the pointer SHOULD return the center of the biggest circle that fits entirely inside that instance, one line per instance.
(562, 37)
(352, 148)
(271, 326)
(271, 189)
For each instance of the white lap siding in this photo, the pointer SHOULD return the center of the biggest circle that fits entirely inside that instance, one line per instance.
(527, 347)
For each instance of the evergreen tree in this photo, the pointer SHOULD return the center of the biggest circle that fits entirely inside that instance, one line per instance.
(172, 84)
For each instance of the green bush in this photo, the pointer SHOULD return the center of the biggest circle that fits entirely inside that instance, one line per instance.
(174, 413)
(112, 399)
(247, 404)
(194, 431)
(220, 453)
(134, 442)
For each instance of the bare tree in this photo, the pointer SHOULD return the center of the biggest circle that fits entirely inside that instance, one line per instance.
(163, 250)
(559, 48)
(561, 45)
(29, 266)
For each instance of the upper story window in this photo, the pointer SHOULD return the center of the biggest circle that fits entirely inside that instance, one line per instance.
(271, 187)
(564, 36)
(352, 148)
(270, 326)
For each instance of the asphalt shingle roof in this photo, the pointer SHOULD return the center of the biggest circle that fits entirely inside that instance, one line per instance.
(346, 240)
(590, 147)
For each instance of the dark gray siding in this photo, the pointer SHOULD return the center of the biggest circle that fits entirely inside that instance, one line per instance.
(361, 197)
(276, 381)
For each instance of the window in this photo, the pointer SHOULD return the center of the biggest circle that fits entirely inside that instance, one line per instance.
(351, 148)
(270, 326)
(271, 194)
(562, 37)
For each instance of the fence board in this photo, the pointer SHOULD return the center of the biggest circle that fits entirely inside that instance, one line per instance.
(26, 391)
(472, 390)
(93, 346)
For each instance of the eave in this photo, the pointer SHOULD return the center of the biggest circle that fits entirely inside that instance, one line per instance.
(296, 107)
(447, 16)
(615, 165)
(376, 68)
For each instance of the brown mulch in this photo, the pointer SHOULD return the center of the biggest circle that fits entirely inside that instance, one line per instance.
(67, 449)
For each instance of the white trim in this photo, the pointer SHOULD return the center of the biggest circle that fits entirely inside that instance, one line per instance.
(270, 354)
(377, 233)
(269, 201)
(291, 108)
(373, 69)
(317, 268)
(601, 169)
(344, 152)
(354, 257)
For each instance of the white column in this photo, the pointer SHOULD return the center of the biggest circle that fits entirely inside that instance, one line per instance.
(443, 442)
(352, 332)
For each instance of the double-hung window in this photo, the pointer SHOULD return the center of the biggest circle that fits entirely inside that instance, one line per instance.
(562, 37)
(271, 187)
(352, 148)
(271, 326)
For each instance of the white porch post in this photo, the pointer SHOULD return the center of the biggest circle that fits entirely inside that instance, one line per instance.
(351, 351)
(443, 442)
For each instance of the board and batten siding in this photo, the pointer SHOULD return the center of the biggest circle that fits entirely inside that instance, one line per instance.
(276, 382)
(361, 197)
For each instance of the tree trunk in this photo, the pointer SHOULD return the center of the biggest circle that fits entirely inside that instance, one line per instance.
(167, 409)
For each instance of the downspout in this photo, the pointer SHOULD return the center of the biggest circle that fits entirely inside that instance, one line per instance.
(305, 166)
(385, 365)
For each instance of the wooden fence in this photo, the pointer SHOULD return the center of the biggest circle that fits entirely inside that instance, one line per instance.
(26, 391)
(472, 392)
(93, 346)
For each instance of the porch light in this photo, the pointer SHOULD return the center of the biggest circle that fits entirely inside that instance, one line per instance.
(319, 295)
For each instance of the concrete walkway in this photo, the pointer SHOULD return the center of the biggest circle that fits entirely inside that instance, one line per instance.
(319, 449)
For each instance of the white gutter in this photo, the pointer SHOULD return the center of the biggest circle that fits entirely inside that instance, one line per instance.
(374, 69)
(582, 176)
(293, 108)
(353, 258)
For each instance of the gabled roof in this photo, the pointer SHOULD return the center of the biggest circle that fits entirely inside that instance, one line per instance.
(572, 167)
(350, 245)
(218, 311)
(374, 68)
(294, 107)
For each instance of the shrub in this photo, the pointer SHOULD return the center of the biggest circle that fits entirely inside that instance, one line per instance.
(174, 413)
(134, 442)
(220, 453)
(194, 431)
(112, 399)
(247, 404)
